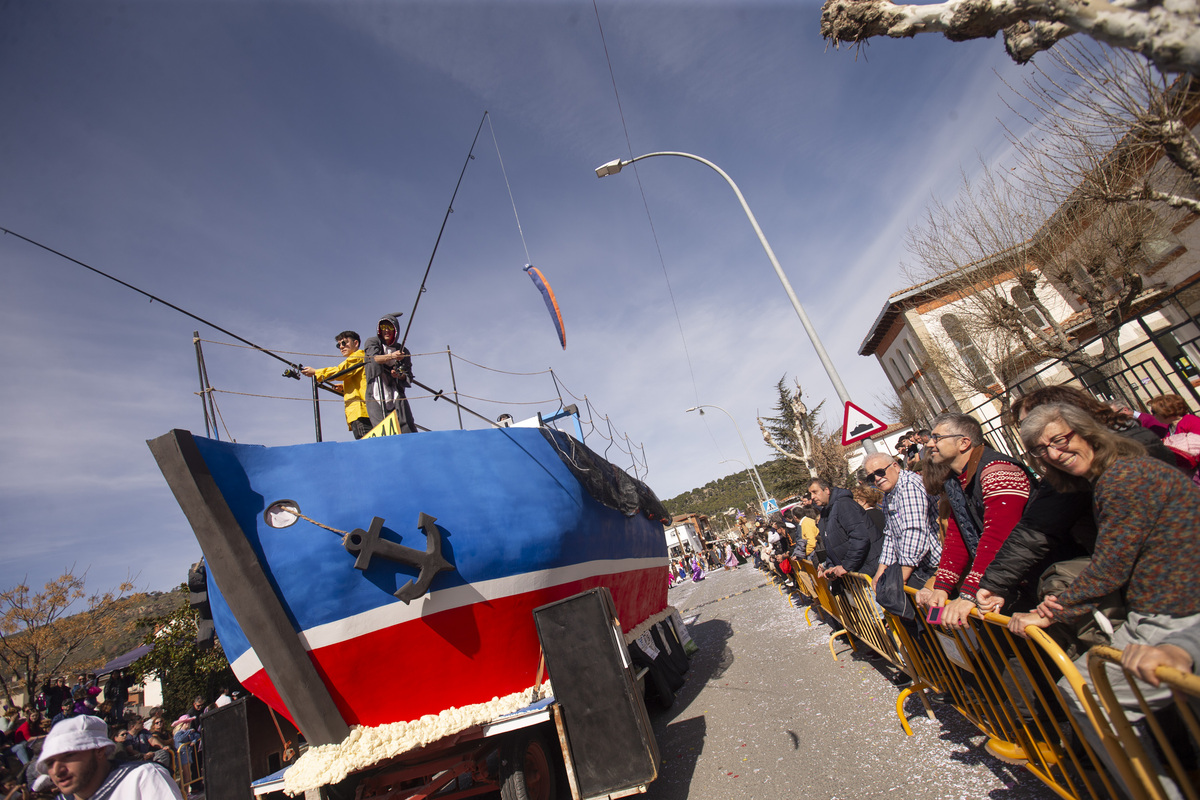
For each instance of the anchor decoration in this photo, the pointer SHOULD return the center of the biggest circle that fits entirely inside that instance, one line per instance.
(367, 545)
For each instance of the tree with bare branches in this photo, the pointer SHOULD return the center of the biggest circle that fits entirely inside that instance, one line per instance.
(902, 409)
(1168, 34)
(790, 434)
(798, 438)
(37, 637)
(1026, 279)
(1105, 125)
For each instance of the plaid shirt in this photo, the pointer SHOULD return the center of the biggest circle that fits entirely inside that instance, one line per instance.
(910, 534)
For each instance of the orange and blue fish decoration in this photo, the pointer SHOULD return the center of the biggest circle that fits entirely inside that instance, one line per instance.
(539, 280)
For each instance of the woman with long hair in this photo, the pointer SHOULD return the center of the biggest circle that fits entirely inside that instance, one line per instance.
(1147, 517)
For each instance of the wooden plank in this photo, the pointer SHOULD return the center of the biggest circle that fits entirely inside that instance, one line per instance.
(233, 564)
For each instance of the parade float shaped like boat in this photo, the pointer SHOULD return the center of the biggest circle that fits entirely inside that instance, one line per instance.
(420, 598)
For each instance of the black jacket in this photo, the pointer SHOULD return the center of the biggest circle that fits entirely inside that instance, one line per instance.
(1055, 527)
(851, 539)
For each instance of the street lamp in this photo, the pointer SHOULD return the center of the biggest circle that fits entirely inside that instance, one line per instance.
(759, 490)
(613, 167)
(761, 495)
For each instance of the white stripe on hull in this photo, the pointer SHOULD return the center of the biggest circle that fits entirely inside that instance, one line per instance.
(397, 613)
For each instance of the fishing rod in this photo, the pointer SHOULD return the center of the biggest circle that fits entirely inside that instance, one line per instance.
(445, 219)
(439, 394)
(154, 298)
(428, 267)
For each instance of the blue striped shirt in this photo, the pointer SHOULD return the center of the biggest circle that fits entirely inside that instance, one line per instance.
(910, 533)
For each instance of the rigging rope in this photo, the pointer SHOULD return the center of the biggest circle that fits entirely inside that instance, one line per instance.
(493, 369)
(340, 401)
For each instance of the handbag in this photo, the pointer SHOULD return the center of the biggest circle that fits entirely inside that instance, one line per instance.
(889, 592)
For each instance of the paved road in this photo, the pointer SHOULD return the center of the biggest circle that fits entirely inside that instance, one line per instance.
(767, 714)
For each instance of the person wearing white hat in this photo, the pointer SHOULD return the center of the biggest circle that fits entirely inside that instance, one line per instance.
(76, 757)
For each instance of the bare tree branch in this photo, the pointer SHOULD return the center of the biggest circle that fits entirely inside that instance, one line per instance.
(1166, 33)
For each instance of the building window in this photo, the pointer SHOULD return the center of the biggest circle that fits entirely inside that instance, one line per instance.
(1024, 304)
(967, 350)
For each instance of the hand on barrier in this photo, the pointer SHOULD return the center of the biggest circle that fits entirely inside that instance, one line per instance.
(834, 572)
(988, 602)
(1144, 659)
(1021, 620)
(1048, 606)
(957, 611)
(928, 598)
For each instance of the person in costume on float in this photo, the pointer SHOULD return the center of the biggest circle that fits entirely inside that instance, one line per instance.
(388, 374)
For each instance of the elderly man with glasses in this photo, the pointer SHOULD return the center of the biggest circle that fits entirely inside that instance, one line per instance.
(910, 533)
(353, 385)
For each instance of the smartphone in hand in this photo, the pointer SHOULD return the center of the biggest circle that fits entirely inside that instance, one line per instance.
(935, 615)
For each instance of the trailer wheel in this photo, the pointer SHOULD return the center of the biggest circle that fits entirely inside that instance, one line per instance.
(527, 768)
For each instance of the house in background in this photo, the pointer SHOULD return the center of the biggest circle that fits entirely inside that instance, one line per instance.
(938, 357)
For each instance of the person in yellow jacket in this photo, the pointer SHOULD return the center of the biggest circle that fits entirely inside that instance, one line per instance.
(353, 384)
(808, 531)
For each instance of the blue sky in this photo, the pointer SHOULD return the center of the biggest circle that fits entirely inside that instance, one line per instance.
(282, 169)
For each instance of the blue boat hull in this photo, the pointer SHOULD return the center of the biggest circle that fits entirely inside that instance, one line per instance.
(518, 530)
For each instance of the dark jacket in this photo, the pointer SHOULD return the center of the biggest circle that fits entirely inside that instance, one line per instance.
(386, 383)
(1055, 527)
(851, 540)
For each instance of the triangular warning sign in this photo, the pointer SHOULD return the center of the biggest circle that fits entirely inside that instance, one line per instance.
(858, 425)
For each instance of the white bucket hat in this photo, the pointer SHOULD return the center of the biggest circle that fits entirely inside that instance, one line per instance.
(72, 735)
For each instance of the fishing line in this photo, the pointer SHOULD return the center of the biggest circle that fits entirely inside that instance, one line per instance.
(504, 172)
(127, 285)
(646, 204)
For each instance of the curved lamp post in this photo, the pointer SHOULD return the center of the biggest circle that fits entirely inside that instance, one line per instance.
(613, 167)
(761, 495)
(759, 489)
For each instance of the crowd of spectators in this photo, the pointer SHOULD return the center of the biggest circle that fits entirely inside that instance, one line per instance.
(1091, 534)
(30, 756)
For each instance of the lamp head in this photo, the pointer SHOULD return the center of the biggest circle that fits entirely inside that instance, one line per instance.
(611, 168)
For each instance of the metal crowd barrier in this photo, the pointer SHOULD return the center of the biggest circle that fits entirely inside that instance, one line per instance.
(1179, 747)
(827, 603)
(806, 586)
(187, 775)
(1007, 686)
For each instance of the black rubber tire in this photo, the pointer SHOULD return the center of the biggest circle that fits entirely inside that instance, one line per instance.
(528, 768)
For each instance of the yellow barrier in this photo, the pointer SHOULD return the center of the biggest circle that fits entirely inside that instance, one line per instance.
(1126, 747)
(806, 584)
(1012, 690)
(1007, 687)
(828, 604)
(863, 617)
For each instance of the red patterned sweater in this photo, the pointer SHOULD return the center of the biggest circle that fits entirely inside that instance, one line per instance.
(1005, 491)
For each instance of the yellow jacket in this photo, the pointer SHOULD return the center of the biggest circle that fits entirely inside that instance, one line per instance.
(354, 385)
(809, 530)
